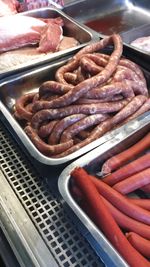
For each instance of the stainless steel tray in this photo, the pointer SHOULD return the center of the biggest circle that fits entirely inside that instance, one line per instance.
(29, 81)
(92, 161)
(71, 28)
(109, 16)
(13, 88)
(135, 33)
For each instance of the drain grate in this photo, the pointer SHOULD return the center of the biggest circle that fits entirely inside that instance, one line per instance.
(44, 208)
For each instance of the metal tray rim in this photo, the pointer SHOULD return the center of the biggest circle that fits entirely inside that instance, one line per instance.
(27, 142)
(134, 48)
(30, 146)
(63, 184)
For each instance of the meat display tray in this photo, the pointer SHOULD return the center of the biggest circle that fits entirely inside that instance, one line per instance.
(130, 36)
(13, 88)
(30, 81)
(71, 28)
(110, 16)
(92, 162)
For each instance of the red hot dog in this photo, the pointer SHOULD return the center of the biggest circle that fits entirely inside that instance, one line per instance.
(128, 170)
(102, 215)
(139, 243)
(118, 160)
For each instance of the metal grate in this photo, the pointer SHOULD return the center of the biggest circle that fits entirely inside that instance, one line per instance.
(44, 207)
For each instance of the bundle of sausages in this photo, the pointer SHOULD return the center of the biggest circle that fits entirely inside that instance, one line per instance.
(107, 203)
(91, 94)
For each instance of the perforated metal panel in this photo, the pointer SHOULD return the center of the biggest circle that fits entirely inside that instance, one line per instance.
(44, 207)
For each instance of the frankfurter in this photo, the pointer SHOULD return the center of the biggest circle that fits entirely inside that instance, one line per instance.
(118, 160)
(139, 243)
(102, 215)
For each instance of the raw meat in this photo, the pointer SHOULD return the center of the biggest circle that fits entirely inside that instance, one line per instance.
(8, 7)
(51, 36)
(142, 43)
(18, 58)
(18, 31)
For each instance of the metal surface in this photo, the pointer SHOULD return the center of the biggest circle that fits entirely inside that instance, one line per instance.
(71, 28)
(30, 81)
(7, 257)
(28, 246)
(41, 209)
(13, 88)
(134, 34)
(110, 16)
(92, 161)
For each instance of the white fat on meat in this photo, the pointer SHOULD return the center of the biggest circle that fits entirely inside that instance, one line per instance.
(17, 31)
(142, 43)
(8, 7)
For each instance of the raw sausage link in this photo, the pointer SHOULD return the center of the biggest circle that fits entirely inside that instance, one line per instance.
(82, 88)
(29, 107)
(138, 87)
(46, 149)
(110, 90)
(61, 126)
(69, 67)
(45, 130)
(83, 124)
(89, 66)
(50, 114)
(101, 100)
(81, 75)
(21, 106)
(36, 97)
(54, 88)
(96, 46)
(71, 77)
(145, 107)
(98, 131)
(129, 109)
(123, 73)
(133, 66)
(48, 97)
(99, 59)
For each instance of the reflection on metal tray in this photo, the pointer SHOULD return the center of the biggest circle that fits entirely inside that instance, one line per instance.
(110, 16)
(30, 81)
(130, 36)
(71, 28)
(92, 162)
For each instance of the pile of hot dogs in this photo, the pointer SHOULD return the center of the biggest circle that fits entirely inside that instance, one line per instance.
(108, 204)
(93, 93)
